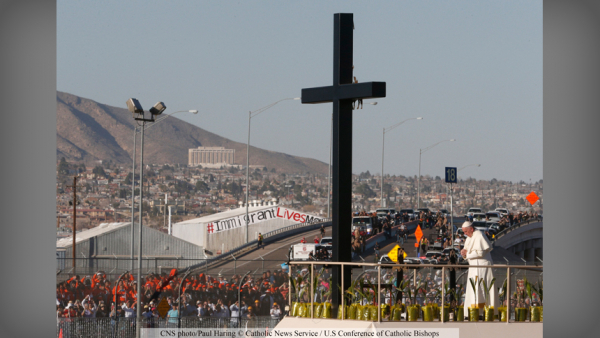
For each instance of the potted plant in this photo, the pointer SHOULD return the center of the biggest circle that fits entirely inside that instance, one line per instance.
(432, 307)
(351, 298)
(459, 314)
(540, 292)
(520, 309)
(534, 310)
(296, 282)
(503, 296)
(413, 310)
(474, 308)
(488, 310)
(397, 309)
(446, 306)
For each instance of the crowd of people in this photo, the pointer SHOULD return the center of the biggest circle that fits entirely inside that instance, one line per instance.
(202, 295)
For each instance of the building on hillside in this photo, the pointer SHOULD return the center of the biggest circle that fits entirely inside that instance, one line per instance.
(210, 155)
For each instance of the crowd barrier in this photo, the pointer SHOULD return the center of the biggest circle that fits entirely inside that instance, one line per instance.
(125, 327)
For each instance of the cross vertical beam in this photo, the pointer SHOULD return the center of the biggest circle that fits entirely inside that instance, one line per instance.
(342, 93)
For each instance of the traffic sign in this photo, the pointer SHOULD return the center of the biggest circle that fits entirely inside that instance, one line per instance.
(393, 254)
(451, 174)
(532, 198)
(163, 307)
(418, 234)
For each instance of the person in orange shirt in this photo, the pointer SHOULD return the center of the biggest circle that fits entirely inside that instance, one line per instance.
(150, 283)
(119, 292)
(132, 292)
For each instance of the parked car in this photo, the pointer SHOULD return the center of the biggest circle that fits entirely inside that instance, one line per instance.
(425, 210)
(503, 211)
(445, 212)
(413, 260)
(326, 242)
(447, 251)
(478, 216)
(495, 227)
(385, 260)
(493, 216)
(382, 212)
(432, 253)
(409, 212)
(369, 222)
(437, 246)
(480, 225)
(471, 211)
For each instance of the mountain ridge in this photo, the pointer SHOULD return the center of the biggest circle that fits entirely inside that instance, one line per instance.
(88, 130)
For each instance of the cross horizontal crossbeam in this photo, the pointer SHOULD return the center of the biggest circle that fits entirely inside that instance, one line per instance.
(354, 91)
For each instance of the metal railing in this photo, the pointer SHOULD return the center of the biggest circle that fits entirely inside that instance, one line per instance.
(123, 327)
(323, 221)
(378, 267)
(516, 226)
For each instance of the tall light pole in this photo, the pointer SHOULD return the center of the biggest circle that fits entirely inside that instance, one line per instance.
(421, 151)
(330, 147)
(135, 131)
(385, 130)
(250, 116)
(138, 114)
(451, 200)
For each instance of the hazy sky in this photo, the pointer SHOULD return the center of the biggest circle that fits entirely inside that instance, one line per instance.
(471, 69)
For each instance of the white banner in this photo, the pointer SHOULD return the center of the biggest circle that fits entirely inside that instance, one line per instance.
(260, 216)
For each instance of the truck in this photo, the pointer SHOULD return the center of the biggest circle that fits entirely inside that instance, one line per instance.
(300, 252)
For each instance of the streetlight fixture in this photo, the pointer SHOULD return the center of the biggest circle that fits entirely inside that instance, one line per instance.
(136, 108)
(250, 116)
(330, 157)
(421, 151)
(385, 130)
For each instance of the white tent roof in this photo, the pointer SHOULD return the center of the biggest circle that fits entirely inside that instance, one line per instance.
(87, 234)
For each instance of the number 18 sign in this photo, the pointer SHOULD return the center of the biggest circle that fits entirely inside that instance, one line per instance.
(451, 174)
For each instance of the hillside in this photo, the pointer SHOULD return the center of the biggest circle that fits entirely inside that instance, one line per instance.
(88, 130)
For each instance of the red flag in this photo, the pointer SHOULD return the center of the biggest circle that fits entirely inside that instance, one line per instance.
(173, 273)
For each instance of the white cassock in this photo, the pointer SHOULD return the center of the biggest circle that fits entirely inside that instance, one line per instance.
(478, 253)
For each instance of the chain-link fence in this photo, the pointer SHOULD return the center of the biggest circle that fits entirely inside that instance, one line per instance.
(112, 268)
(122, 327)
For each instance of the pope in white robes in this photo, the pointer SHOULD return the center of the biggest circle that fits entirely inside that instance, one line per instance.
(477, 251)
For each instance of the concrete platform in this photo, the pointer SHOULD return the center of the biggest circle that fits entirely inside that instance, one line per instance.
(356, 328)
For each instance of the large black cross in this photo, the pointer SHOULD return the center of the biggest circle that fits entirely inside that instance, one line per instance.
(342, 94)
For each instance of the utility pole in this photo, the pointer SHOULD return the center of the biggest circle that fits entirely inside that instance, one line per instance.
(74, 219)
